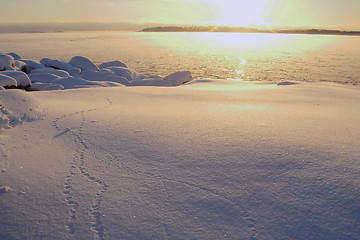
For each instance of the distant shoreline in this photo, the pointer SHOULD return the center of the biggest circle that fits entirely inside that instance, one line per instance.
(248, 30)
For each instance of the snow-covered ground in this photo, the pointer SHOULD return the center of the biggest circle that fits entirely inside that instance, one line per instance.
(206, 160)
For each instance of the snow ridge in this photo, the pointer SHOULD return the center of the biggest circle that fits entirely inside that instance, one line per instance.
(77, 166)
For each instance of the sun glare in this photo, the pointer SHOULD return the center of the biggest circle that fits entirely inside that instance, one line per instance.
(240, 12)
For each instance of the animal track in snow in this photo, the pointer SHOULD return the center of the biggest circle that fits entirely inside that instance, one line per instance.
(78, 166)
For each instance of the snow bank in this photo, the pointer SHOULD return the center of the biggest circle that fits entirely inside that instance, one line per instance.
(18, 106)
(76, 82)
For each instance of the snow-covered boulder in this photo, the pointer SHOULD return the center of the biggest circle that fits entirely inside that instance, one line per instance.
(6, 62)
(76, 82)
(21, 78)
(124, 72)
(42, 77)
(83, 63)
(19, 64)
(30, 66)
(172, 80)
(104, 75)
(112, 64)
(60, 73)
(96, 75)
(6, 81)
(56, 64)
(74, 71)
(39, 86)
(61, 65)
(14, 55)
(179, 78)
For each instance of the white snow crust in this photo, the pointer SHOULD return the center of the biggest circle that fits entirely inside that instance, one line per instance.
(207, 160)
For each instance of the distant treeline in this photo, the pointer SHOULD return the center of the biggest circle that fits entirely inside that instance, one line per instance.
(245, 30)
(66, 27)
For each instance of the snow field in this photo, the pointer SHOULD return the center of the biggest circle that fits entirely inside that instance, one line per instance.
(207, 160)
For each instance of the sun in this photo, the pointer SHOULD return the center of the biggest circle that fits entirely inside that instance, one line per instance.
(240, 12)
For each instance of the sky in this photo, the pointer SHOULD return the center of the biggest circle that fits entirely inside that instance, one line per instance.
(339, 14)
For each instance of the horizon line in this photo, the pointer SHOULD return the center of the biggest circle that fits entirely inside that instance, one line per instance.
(133, 26)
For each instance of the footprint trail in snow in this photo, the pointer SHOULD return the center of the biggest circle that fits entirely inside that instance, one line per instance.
(78, 166)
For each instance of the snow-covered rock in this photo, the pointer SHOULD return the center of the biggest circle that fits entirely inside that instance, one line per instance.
(112, 64)
(124, 72)
(6, 62)
(60, 73)
(42, 77)
(79, 72)
(14, 55)
(74, 71)
(30, 66)
(76, 82)
(96, 75)
(19, 64)
(179, 78)
(83, 63)
(21, 78)
(104, 75)
(39, 86)
(56, 64)
(28, 61)
(6, 81)
(172, 80)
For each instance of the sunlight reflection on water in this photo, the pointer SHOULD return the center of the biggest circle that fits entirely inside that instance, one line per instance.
(245, 56)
